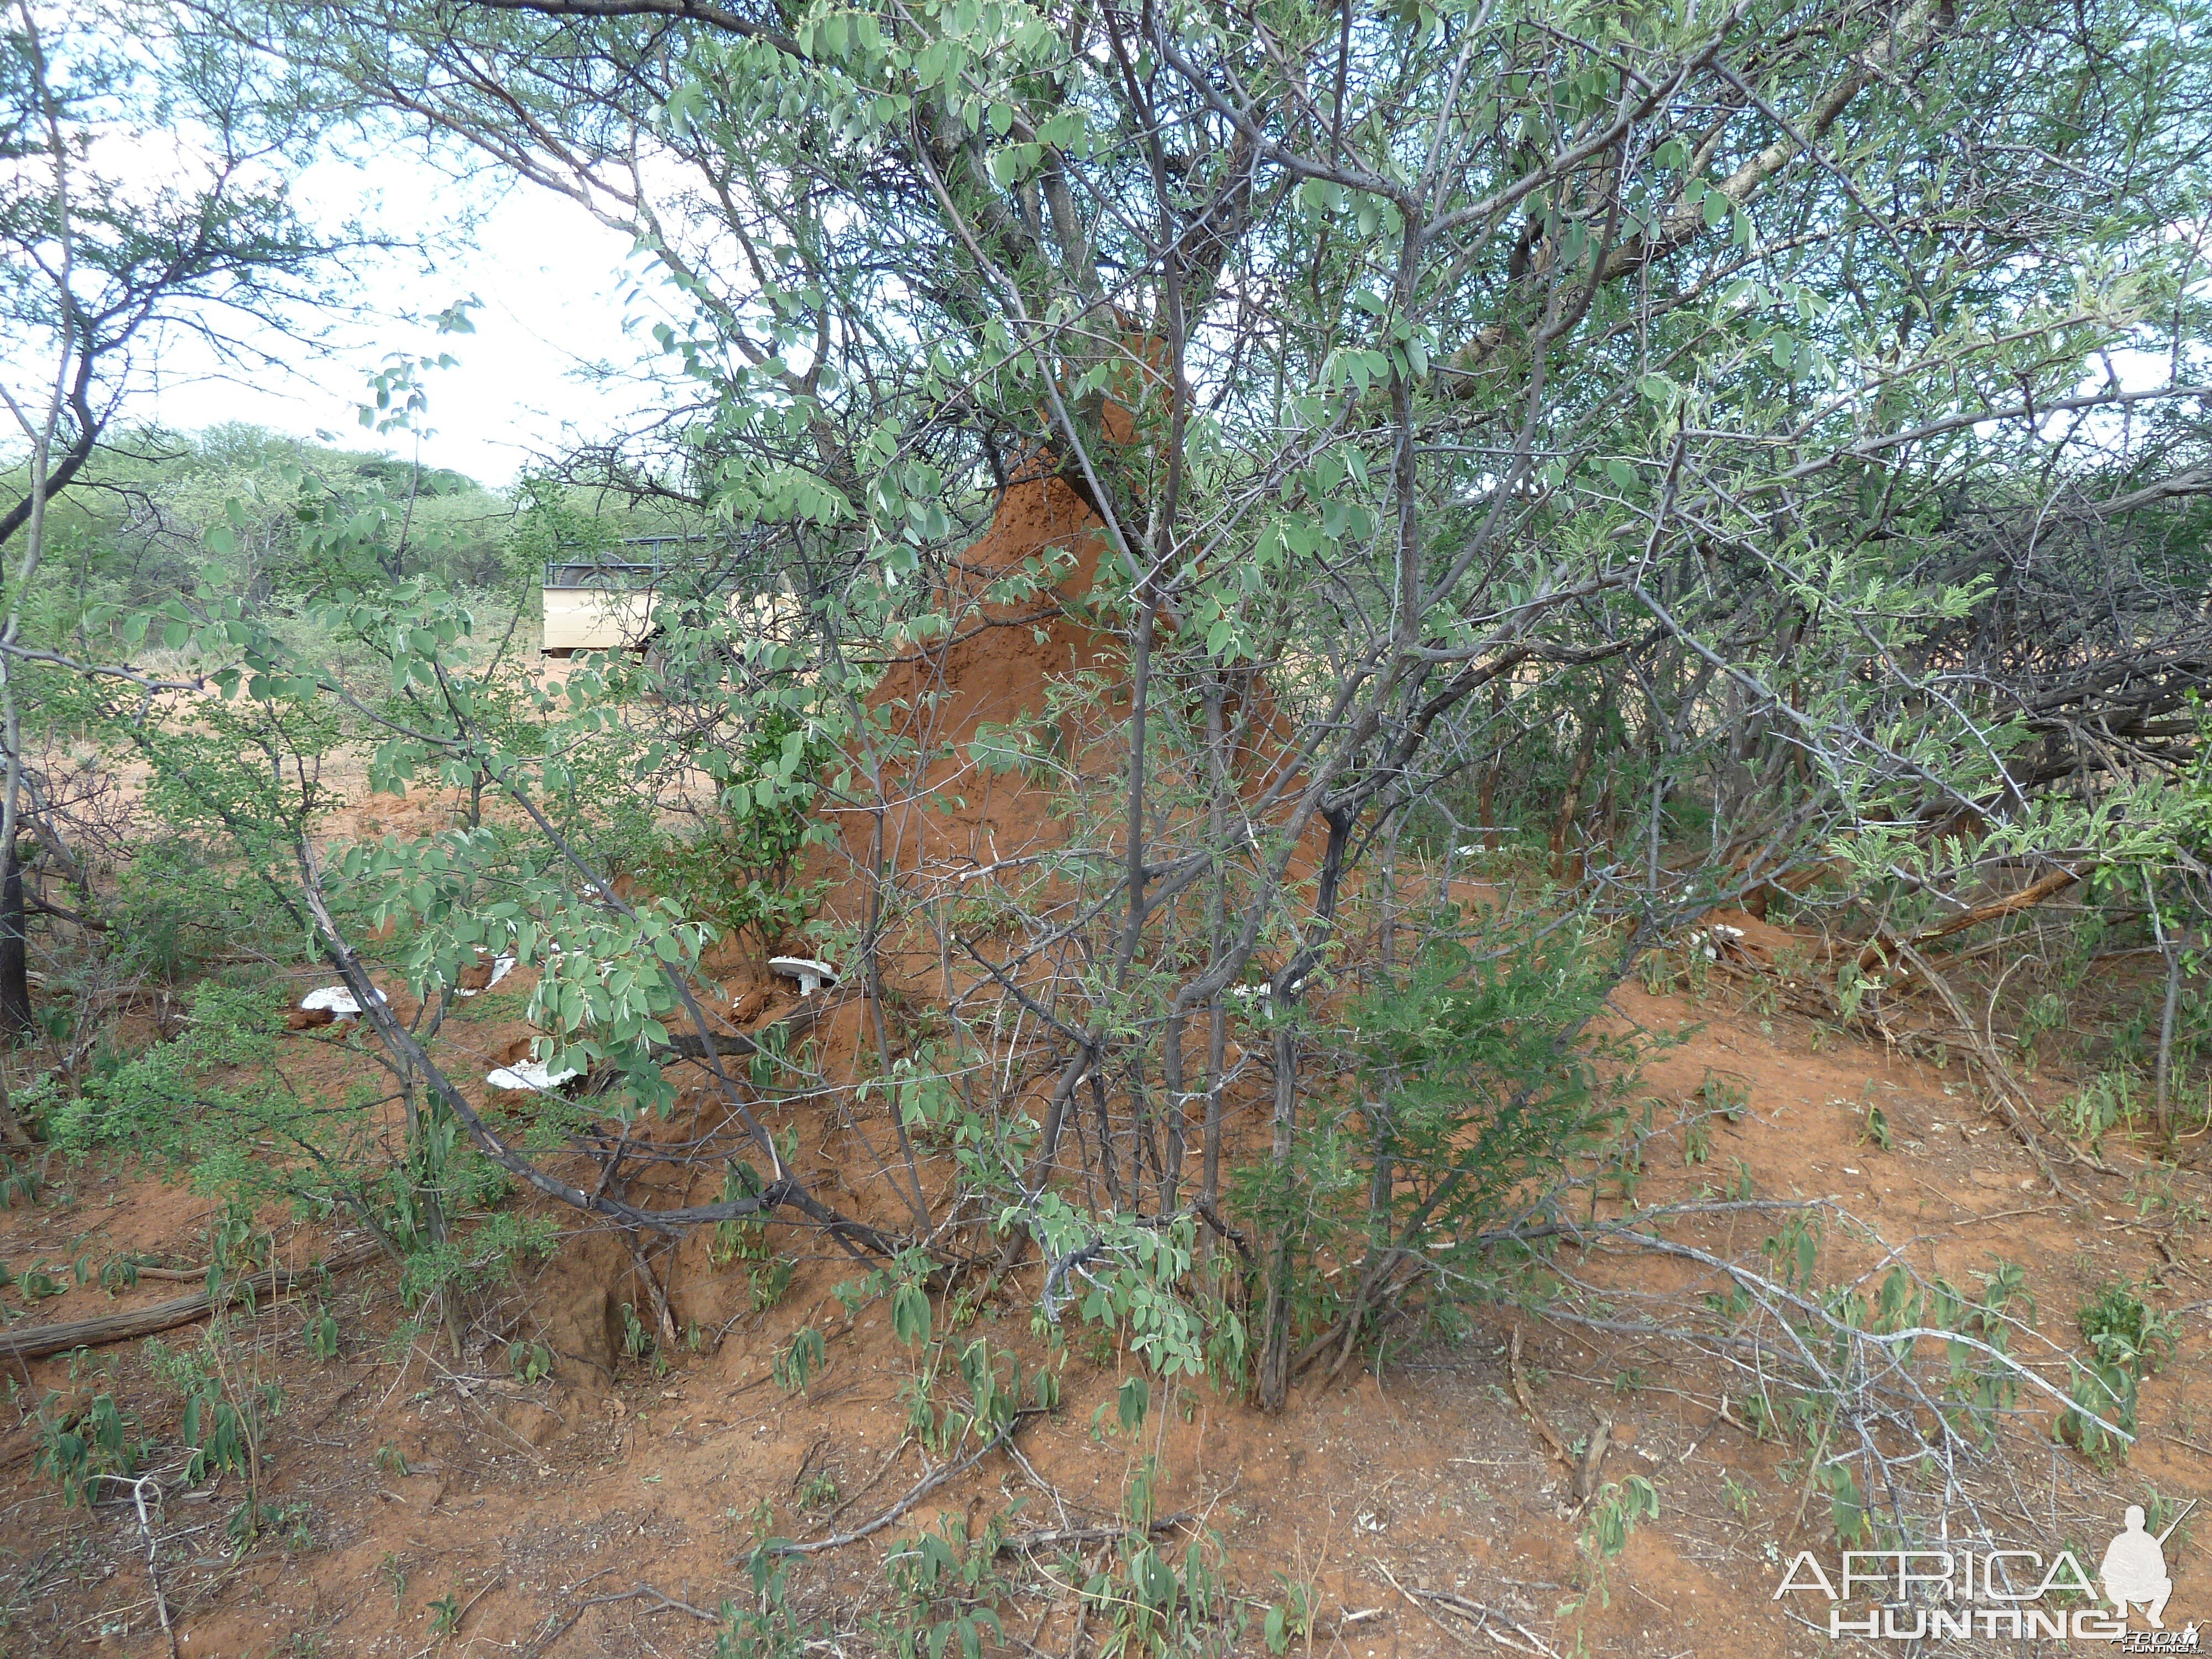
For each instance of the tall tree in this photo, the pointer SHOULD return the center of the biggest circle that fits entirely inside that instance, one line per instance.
(145, 197)
(1693, 375)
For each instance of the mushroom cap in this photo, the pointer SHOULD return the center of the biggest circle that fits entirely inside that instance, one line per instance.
(531, 1075)
(336, 999)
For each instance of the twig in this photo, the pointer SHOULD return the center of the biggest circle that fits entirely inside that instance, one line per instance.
(1529, 1405)
(1593, 1461)
(862, 1491)
(1475, 1610)
(664, 1316)
(1056, 1537)
(2045, 886)
(1723, 1415)
(153, 1575)
(2009, 1095)
(921, 1489)
(553, 1632)
(662, 1602)
(473, 1600)
(1812, 1466)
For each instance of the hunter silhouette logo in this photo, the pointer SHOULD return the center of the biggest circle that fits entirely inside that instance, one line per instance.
(2133, 1572)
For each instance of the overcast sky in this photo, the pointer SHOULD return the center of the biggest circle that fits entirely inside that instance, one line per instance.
(555, 286)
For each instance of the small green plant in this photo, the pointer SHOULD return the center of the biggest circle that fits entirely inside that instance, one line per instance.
(1132, 1400)
(740, 871)
(819, 1491)
(1289, 1620)
(799, 1364)
(741, 1240)
(228, 1410)
(2107, 1103)
(445, 1614)
(76, 1445)
(947, 1594)
(322, 1333)
(768, 1628)
(252, 1521)
(1795, 1251)
(2128, 1341)
(1154, 1603)
(1614, 1514)
(1847, 1504)
(637, 1342)
(19, 1183)
(1728, 1096)
(768, 1282)
(942, 1420)
(294, 1522)
(119, 1272)
(529, 1362)
(394, 1573)
(391, 1460)
(38, 1282)
(1877, 1129)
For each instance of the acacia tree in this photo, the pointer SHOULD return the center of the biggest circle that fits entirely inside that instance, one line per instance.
(1468, 405)
(106, 256)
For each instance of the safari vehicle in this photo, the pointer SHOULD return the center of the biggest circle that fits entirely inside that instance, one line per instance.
(602, 606)
(612, 604)
(607, 602)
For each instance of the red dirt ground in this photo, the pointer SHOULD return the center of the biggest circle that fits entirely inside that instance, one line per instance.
(526, 1502)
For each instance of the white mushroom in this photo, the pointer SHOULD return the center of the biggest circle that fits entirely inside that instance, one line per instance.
(531, 1075)
(337, 999)
(811, 976)
(1713, 943)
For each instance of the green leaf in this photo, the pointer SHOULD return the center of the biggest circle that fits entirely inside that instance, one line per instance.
(1136, 1398)
(910, 1319)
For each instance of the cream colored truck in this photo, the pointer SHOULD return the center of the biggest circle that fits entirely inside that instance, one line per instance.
(609, 607)
(596, 607)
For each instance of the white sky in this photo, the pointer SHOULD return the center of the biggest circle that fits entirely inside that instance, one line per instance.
(555, 286)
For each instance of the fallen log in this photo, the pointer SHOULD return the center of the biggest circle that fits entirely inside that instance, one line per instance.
(41, 1341)
(2043, 887)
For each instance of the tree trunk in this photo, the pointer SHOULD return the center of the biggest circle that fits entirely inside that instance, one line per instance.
(1571, 803)
(15, 962)
(1275, 1320)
